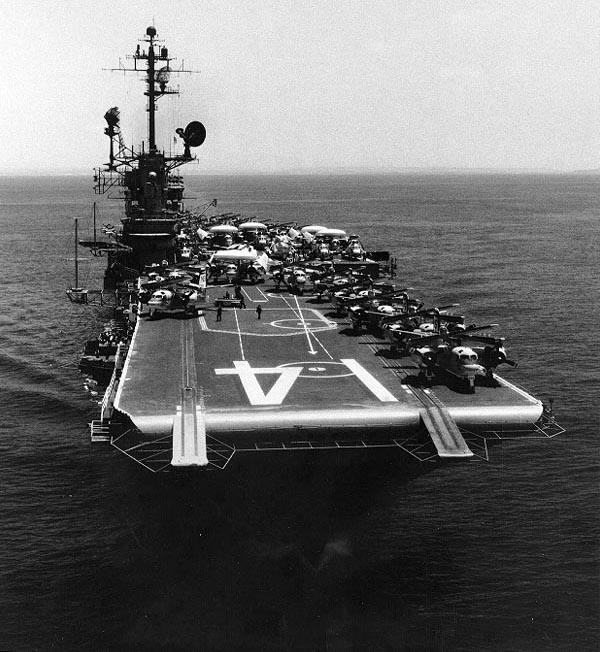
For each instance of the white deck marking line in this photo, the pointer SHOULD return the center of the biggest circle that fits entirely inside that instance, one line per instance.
(290, 306)
(369, 381)
(255, 393)
(322, 317)
(254, 334)
(239, 332)
(298, 313)
(331, 325)
(265, 300)
(287, 376)
(520, 391)
(322, 346)
(312, 350)
(203, 324)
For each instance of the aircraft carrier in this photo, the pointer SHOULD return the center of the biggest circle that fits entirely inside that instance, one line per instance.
(234, 336)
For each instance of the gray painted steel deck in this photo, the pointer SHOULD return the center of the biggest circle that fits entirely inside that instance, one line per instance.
(296, 371)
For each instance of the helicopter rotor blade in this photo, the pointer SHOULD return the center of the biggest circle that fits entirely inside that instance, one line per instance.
(474, 327)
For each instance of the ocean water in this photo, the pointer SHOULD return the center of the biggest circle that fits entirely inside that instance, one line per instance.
(278, 553)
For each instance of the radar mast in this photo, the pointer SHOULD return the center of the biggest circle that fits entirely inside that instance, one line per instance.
(153, 196)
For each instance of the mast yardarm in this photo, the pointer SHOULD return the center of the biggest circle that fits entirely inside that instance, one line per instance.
(158, 68)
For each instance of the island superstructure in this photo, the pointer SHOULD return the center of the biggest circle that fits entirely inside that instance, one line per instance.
(153, 195)
(236, 335)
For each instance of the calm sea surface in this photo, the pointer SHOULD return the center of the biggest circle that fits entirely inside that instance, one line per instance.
(98, 554)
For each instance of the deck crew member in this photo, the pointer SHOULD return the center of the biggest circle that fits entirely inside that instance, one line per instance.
(219, 312)
(258, 311)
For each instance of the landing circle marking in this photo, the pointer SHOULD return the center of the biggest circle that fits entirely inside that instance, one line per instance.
(312, 325)
(324, 369)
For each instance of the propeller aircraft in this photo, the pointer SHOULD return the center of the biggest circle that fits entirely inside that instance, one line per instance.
(173, 301)
(370, 309)
(460, 354)
(421, 322)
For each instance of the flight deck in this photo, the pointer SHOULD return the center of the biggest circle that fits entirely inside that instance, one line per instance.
(286, 368)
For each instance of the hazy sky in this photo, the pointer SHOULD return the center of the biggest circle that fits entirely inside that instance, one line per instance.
(305, 85)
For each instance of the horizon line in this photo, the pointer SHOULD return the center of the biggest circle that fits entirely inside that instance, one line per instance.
(326, 171)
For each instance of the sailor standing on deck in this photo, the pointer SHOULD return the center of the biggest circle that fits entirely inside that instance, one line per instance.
(258, 311)
(219, 312)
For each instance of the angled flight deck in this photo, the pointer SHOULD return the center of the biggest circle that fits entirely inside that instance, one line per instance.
(290, 371)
